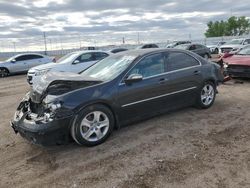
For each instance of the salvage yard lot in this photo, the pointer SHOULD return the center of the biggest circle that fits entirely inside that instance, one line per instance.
(187, 148)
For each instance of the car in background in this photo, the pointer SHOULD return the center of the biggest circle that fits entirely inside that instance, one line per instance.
(147, 46)
(199, 49)
(215, 46)
(73, 62)
(21, 63)
(120, 89)
(234, 45)
(117, 50)
(176, 43)
(238, 65)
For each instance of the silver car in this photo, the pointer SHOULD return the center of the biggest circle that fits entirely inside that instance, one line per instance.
(22, 63)
(73, 62)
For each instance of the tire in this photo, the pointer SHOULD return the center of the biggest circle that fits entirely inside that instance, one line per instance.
(216, 51)
(206, 95)
(4, 72)
(93, 125)
(206, 56)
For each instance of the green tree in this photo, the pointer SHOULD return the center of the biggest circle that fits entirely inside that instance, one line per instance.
(234, 26)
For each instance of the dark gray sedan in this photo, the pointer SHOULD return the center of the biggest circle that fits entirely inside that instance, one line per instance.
(117, 90)
(199, 49)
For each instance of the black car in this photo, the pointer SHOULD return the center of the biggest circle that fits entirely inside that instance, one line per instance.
(117, 50)
(199, 49)
(118, 90)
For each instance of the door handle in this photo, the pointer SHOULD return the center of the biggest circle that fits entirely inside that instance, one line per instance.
(197, 72)
(163, 80)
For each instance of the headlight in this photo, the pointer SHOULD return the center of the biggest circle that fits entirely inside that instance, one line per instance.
(225, 65)
(42, 72)
(54, 106)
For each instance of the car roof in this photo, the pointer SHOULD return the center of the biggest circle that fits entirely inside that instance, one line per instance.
(141, 52)
(87, 51)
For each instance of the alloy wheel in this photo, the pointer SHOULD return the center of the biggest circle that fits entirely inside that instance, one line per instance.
(3, 73)
(94, 126)
(207, 94)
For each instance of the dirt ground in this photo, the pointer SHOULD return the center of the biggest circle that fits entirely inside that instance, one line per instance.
(188, 148)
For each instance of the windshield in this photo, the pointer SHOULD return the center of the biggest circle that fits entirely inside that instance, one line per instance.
(110, 67)
(244, 51)
(182, 46)
(235, 41)
(69, 58)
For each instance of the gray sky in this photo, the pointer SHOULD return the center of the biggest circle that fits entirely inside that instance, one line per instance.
(107, 21)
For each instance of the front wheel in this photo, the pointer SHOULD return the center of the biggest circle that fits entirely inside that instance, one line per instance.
(4, 72)
(93, 125)
(206, 96)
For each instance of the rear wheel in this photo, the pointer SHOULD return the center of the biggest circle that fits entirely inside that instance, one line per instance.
(206, 56)
(4, 72)
(206, 95)
(93, 125)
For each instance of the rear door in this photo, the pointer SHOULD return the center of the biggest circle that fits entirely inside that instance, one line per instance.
(146, 96)
(35, 60)
(184, 73)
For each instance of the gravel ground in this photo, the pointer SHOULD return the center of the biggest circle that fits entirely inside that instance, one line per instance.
(187, 148)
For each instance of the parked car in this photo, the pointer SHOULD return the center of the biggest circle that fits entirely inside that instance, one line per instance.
(21, 63)
(234, 45)
(73, 62)
(176, 43)
(147, 46)
(238, 65)
(199, 49)
(215, 46)
(118, 90)
(117, 50)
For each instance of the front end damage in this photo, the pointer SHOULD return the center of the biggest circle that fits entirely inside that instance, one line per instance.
(43, 124)
(43, 116)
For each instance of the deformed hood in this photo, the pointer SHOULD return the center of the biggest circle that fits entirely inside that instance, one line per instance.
(58, 83)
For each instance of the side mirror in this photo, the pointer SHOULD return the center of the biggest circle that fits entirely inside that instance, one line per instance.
(133, 78)
(13, 61)
(76, 62)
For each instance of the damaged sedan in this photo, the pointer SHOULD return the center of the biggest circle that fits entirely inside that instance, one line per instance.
(118, 90)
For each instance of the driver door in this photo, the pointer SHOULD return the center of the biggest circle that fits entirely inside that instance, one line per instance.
(145, 96)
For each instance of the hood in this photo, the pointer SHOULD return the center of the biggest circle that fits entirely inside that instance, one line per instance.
(231, 46)
(43, 67)
(238, 60)
(211, 46)
(58, 83)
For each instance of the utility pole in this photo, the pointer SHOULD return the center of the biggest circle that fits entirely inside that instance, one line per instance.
(138, 38)
(50, 44)
(14, 45)
(45, 43)
(80, 42)
(123, 40)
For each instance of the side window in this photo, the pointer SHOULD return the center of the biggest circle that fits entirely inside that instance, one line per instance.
(198, 46)
(179, 60)
(192, 47)
(100, 55)
(150, 66)
(36, 57)
(247, 41)
(22, 58)
(86, 57)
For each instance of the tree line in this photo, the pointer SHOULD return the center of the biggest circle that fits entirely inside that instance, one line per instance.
(234, 26)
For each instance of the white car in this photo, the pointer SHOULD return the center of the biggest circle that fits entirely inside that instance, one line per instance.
(22, 63)
(234, 45)
(73, 62)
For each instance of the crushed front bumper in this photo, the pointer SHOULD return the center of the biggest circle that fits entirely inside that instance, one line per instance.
(56, 131)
